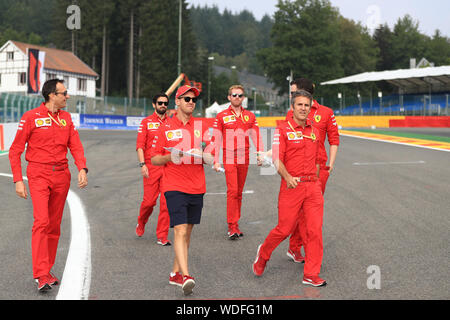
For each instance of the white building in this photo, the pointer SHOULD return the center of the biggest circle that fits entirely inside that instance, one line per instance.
(78, 77)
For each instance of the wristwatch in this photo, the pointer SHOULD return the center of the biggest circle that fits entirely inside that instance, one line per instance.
(141, 164)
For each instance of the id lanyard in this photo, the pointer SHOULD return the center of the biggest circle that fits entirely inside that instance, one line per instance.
(59, 122)
(241, 116)
(312, 136)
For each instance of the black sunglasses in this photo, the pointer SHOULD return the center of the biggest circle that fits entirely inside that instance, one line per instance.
(160, 103)
(63, 93)
(234, 95)
(188, 99)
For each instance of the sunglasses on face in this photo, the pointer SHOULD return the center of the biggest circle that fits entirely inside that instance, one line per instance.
(188, 99)
(63, 93)
(160, 103)
(234, 95)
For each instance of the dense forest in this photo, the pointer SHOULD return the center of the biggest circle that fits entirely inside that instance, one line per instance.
(134, 43)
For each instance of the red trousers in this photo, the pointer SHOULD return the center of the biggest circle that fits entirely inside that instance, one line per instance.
(152, 188)
(299, 233)
(48, 191)
(235, 175)
(305, 200)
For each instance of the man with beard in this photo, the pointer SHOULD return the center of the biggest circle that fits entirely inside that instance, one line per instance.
(152, 175)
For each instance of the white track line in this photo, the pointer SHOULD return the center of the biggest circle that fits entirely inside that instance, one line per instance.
(220, 193)
(387, 163)
(76, 279)
(402, 143)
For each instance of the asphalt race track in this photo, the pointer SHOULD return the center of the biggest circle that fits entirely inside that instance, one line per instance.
(386, 209)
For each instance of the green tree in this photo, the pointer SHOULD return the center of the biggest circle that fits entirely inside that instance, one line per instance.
(438, 49)
(301, 44)
(407, 42)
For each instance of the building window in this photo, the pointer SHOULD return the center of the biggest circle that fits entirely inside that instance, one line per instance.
(66, 82)
(10, 56)
(82, 85)
(51, 76)
(22, 78)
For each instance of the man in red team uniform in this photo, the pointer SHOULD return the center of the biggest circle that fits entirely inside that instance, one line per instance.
(48, 132)
(184, 183)
(323, 119)
(152, 175)
(231, 131)
(295, 155)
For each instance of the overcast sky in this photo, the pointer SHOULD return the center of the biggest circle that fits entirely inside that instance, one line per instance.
(431, 14)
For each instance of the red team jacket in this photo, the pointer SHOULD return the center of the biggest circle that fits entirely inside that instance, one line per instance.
(146, 133)
(47, 141)
(226, 134)
(323, 119)
(298, 149)
(189, 176)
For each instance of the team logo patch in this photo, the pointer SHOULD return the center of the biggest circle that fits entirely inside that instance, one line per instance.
(246, 118)
(197, 133)
(43, 122)
(318, 118)
(295, 135)
(228, 119)
(63, 122)
(152, 125)
(174, 134)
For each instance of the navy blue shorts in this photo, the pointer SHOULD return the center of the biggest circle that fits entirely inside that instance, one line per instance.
(184, 208)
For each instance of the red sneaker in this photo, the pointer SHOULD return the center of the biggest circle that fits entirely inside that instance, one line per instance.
(164, 242)
(43, 283)
(188, 285)
(260, 264)
(53, 281)
(176, 279)
(314, 281)
(140, 229)
(296, 256)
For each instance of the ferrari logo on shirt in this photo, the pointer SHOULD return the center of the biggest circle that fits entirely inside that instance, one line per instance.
(43, 122)
(197, 133)
(318, 118)
(174, 134)
(152, 125)
(228, 119)
(246, 118)
(63, 122)
(295, 135)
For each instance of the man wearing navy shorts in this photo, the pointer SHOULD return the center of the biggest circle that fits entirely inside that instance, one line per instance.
(178, 146)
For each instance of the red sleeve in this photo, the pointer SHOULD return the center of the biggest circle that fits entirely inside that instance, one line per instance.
(332, 130)
(158, 143)
(142, 135)
(278, 145)
(217, 137)
(76, 148)
(317, 133)
(256, 136)
(18, 146)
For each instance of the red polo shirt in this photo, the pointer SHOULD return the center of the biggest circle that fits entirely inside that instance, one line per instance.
(47, 141)
(323, 119)
(189, 175)
(232, 132)
(296, 147)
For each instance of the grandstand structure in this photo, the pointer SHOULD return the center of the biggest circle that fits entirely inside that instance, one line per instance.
(421, 91)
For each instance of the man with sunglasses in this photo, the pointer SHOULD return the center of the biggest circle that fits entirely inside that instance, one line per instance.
(232, 131)
(181, 146)
(48, 132)
(152, 175)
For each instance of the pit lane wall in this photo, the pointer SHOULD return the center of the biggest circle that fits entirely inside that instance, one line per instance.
(117, 122)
